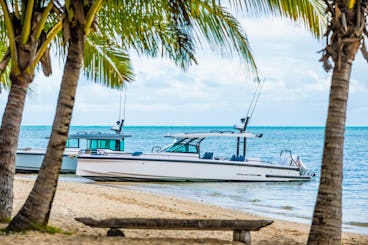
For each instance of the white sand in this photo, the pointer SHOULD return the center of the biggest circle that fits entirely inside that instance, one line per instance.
(101, 201)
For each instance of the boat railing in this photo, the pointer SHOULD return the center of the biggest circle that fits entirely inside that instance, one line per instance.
(81, 132)
(92, 152)
(219, 131)
(307, 172)
(156, 148)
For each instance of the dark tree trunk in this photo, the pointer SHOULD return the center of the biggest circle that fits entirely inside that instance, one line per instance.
(9, 133)
(36, 210)
(326, 223)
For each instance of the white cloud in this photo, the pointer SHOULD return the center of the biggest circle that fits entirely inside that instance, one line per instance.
(217, 91)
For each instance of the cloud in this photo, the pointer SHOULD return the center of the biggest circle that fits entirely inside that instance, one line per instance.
(218, 90)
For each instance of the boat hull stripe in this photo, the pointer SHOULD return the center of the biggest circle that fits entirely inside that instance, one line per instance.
(287, 177)
(187, 161)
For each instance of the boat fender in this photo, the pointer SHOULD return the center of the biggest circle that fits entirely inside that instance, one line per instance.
(72, 156)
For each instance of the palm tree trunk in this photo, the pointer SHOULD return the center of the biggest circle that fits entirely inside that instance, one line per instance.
(326, 223)
(9, 134)
(36, 210)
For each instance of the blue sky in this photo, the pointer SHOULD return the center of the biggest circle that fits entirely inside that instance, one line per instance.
(217, 90)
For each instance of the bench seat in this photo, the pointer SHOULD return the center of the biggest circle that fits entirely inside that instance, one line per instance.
(241, 228)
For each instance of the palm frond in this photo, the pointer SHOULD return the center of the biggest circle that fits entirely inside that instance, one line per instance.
(176, 28)
(106, 63)
(309, 13)
(3, 31)
(4, 67)
(220, 29)
(151, 28)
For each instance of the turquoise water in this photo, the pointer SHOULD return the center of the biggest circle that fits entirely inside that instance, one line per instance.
(288, 201)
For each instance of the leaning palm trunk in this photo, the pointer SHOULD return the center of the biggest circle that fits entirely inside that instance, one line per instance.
(28, 42)
(9, 133)
(36, 210)
(326, 224)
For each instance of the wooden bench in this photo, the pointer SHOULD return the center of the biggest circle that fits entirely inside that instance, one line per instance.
(241, 228)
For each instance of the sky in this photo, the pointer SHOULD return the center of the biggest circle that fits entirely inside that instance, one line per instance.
(217, 91)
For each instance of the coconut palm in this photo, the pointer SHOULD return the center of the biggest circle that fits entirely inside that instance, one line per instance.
(170, 28)
(345, 35)
(35, 212)
(29, 27)
(78, 21)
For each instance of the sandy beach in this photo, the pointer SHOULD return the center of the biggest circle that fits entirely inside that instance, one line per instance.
(101, 201)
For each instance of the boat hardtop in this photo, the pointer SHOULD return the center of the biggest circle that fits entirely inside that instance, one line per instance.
(190, 142)
(214, 134)
(29, 159)
(98, 135)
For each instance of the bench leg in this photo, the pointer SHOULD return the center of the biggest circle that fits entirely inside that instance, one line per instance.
(242, 236)
(115, 232)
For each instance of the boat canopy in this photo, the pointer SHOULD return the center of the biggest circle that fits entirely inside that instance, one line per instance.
(214, 134)
(97, 140)
(97, 136)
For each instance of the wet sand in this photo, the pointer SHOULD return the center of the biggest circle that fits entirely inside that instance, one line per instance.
(102, 201)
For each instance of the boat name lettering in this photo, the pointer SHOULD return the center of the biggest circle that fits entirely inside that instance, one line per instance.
(241, 174)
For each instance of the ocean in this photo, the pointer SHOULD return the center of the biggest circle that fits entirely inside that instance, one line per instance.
(288, 201)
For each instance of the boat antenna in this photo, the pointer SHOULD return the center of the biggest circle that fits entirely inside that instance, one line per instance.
(120, 102)
(124, 87)
(120, 122)
(252, 105)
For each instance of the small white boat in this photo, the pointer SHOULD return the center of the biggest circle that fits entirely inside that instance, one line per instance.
(184, 161)
(30, 160)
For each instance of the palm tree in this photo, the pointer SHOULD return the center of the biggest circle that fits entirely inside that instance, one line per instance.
(167, 27)
(29, 27)
(42, 18)
(35, 212)
(345, 35)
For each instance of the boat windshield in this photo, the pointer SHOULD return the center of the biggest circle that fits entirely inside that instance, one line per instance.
(187, 145)
(115, 145)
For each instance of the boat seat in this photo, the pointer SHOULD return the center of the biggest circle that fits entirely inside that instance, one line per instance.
(207, 155)
(237, 158)
(137, 153)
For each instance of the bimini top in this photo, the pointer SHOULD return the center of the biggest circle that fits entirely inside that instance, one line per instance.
(98, 136)
(214, 134)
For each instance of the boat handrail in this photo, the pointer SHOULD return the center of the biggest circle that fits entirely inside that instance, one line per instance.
(156, 148)
(219, 131)
(95, 132)
(92, 152)
(81, 132)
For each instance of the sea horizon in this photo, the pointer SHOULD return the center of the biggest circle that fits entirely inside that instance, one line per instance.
(221, 126)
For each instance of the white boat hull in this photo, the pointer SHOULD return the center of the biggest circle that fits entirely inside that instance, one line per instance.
(159, 167)
(31, 160)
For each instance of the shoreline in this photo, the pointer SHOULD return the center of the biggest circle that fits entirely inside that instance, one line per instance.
(102, 201)
(351, 227)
